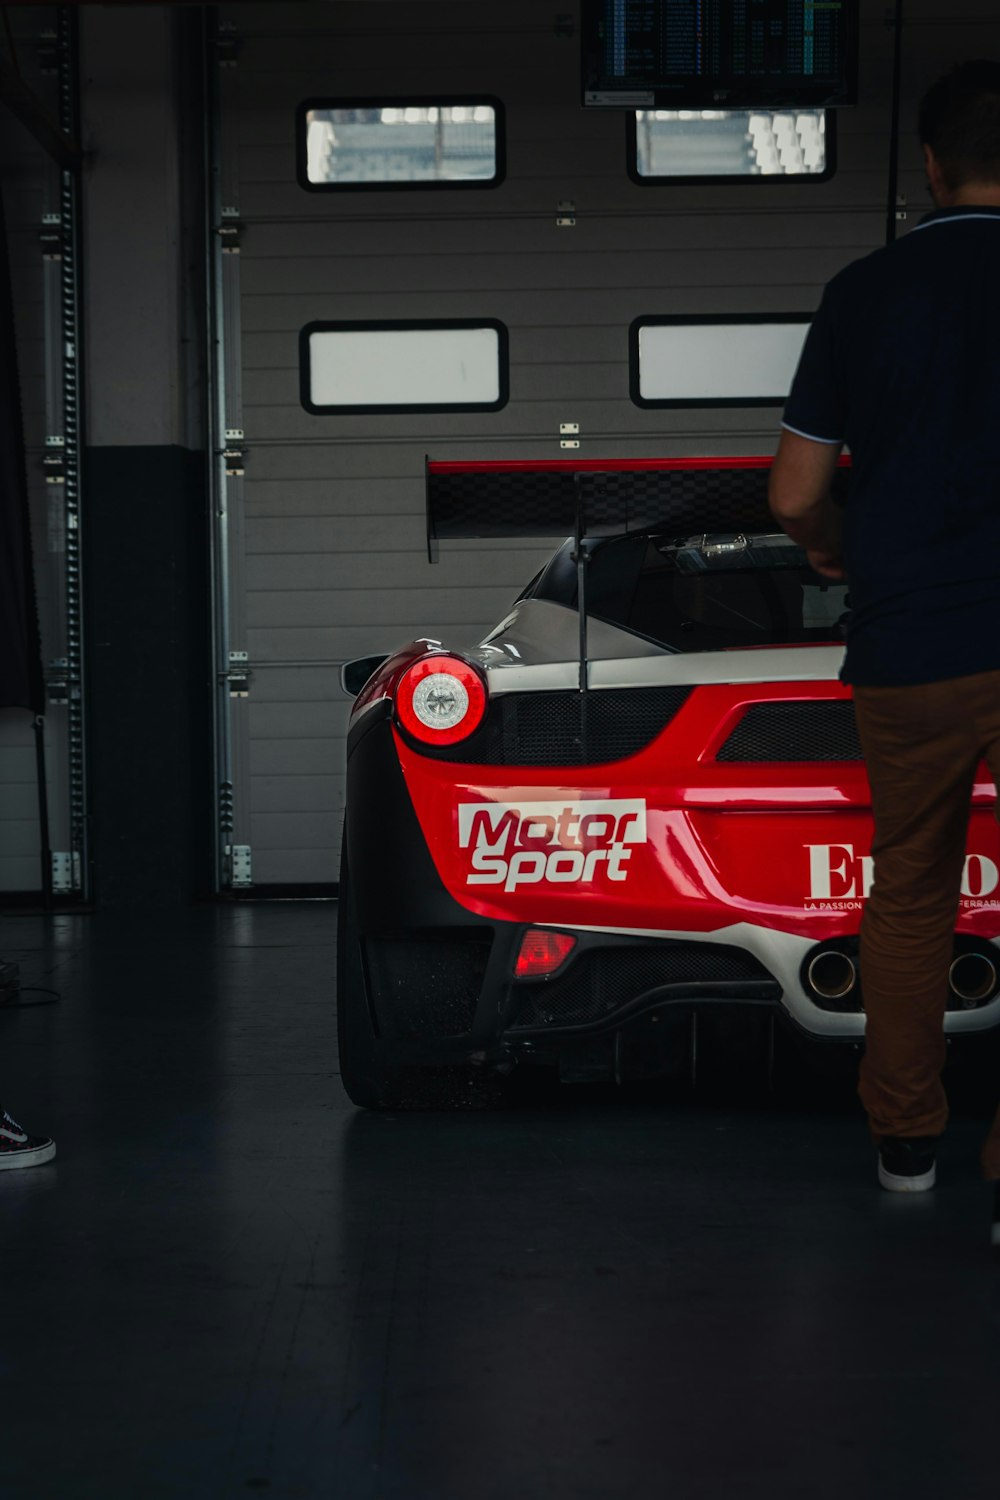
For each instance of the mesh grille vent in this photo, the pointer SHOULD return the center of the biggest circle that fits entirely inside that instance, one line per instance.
(546, 729)
(795, 732)
(426, 986)
(601, 982)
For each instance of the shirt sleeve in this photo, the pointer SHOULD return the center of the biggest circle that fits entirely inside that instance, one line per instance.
(817, 407)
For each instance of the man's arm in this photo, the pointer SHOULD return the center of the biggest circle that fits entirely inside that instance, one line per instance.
(800, 499)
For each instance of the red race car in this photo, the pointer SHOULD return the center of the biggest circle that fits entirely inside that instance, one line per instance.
(566, 845)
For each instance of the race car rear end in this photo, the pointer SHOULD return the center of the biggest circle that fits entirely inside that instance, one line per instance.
(554, 868)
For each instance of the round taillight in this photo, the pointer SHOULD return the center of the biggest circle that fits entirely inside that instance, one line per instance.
(440, 700)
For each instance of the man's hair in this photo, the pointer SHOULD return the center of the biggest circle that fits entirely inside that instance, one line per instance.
(959, 119)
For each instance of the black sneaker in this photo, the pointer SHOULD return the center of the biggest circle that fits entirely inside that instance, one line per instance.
(19, 1149)
(906, 1163)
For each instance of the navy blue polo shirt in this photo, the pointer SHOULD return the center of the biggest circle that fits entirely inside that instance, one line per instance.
(902, 366)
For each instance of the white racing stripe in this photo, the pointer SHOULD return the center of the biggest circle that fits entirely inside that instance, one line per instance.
(820, 663)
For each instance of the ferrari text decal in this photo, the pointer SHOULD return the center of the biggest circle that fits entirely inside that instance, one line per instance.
(564, 842)
(838, 875)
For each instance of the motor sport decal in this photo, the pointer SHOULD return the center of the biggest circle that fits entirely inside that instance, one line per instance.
(682, 844)
(840, 879)
(564, 842)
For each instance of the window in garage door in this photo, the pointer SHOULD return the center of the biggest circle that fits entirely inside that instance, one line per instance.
(736, 145)
(457, 364)
(715, 360)
(378, 143)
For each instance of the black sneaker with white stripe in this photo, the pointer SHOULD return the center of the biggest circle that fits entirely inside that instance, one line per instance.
(906, 1163)
(19, 1149)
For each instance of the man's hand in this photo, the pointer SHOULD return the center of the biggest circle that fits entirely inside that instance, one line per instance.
(799, 496)
(827, 564)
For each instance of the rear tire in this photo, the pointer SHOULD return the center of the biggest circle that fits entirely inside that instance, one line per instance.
(367, 1081)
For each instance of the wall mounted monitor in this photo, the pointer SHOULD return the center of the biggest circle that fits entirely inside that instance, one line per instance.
(723, 54)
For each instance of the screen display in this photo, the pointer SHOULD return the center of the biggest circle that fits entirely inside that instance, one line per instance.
(724, 53)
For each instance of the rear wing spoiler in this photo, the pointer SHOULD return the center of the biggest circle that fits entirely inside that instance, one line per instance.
(597, 497)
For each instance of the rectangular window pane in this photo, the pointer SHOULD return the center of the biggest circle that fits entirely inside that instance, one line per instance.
(444, 366)
(395, 143)
(672, 143)
(714, 361)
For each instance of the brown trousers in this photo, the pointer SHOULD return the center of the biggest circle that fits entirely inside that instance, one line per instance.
(922, 746)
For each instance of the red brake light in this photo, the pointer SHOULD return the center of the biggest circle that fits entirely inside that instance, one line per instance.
(440, 699)
(542, 953)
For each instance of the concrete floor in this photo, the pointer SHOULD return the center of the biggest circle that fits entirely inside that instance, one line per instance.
(230, 1282)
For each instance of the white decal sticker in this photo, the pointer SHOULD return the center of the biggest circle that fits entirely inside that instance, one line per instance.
(564, 842)
(841, 880)
(836, 875)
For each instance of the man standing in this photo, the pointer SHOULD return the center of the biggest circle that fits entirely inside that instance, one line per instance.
(902, 364)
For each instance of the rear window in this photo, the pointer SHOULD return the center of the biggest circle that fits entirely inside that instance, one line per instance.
(711, 593)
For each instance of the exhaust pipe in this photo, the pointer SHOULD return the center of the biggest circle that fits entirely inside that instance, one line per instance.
(973, 978)
(831, 974)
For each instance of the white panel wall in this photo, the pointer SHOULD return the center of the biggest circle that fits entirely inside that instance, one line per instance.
(328, 558)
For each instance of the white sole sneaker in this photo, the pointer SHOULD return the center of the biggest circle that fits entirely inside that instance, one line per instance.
(895, 1184)
(29, 1156)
